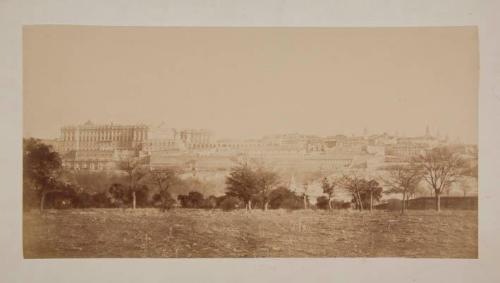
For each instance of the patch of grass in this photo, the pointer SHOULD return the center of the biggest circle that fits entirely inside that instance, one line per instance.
(203, 233)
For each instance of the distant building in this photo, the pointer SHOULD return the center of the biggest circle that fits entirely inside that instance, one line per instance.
(101, 147)
(91, 137)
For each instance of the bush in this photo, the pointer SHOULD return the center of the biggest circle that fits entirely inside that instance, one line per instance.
(292, 203)
(83, 200)
(322, 202)
(118, 195)
(164, 201)
(31, 197)
(64, 196)
(141, 195)
(230, 203)
(101, 200)
(191, 200)
(210, 202)
(282, 197)
(341, 204)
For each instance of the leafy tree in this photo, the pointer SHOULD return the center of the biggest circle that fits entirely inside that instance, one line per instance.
(135, 173)
(266, 181)
(282, 196)
(184, 201)
(163, 200)
(441, 168)
(328, 189)
(242, 183)
(41, 168)
(229, 203)
(95, 182)
(118, 195)
(190, 184)
(164, 179)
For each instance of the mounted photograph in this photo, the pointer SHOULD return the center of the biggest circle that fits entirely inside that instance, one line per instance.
(250, 142)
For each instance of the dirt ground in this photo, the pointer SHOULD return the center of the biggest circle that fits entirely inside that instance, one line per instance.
(202, 233)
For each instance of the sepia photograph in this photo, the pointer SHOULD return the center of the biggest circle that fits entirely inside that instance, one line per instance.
(250, 142)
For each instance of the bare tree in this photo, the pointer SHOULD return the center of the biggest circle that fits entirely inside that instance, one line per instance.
(466, 185)
(374, 189)
(308, 179)
(329, 189)
(305, 195)
(355, 185)
(403, 179)
(441, 168)
(470, 173)
(135, 172)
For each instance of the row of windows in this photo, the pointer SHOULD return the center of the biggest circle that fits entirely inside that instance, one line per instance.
(107, 138)
(93, 165)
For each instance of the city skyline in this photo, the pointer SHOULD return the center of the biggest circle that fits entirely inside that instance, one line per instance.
(426, 131)
(252, 82)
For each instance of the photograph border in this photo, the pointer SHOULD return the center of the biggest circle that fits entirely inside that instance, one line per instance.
(15, 14)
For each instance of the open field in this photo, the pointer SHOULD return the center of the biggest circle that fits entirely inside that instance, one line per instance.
(202, 233)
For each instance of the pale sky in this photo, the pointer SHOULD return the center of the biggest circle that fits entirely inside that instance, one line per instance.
(249, 82)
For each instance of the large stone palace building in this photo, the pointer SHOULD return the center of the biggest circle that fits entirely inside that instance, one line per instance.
(101, 147)
(90, 137)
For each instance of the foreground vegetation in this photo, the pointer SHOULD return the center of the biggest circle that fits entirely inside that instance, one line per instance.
(276, 233)
(250, 183)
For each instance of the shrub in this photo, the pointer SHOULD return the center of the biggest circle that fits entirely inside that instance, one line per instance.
(31, 197)
(341, 204)
(83, 200)
(163, 200)
(65, 196)
(191, 200)
(141, 195)
(210, 202)
(230, 203)
(282, 197)
(101, 200)
(118, 195)
(322, 202)
(292, 203)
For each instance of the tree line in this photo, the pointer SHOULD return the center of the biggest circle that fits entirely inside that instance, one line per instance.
(45, 182)
(248, 185)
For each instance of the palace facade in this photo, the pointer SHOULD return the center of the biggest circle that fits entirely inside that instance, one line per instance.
(91, 137)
